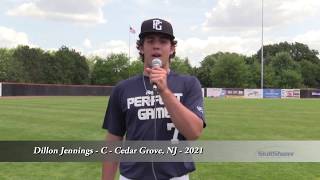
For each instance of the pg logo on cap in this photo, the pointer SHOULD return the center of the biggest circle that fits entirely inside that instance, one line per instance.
(157, 24)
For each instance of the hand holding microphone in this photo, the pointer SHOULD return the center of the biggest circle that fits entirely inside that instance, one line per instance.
(157, 75)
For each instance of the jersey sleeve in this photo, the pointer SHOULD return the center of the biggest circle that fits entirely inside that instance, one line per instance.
(194, 98)
(114, 119)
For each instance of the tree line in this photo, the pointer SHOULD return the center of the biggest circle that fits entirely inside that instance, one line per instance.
(286, 65)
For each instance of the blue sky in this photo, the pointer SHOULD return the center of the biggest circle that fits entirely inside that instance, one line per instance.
(202, 27)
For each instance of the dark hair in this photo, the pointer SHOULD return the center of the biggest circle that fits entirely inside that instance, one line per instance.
(139, 43)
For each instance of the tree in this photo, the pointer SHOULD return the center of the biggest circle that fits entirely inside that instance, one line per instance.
(135, 68)
(51, 69)
(286, 71)
(90, 61)
(310, 73)
(73, 65)
(270, 79)
(26, 65)
(290, 79)
(230, 71)
(297, 51)
(303, 60)
(254, 71)
(181, 66)
(205, 70)
(5, 58)
(110, 71)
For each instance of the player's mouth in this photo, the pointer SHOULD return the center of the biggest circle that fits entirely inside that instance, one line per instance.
(156, 55)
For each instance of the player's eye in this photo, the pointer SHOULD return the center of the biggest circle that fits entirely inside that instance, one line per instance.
(149, 41)
(164, 41)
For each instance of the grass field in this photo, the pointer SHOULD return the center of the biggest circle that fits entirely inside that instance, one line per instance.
(80, 118)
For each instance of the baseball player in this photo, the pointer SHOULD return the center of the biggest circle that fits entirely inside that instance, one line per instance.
(178, 100)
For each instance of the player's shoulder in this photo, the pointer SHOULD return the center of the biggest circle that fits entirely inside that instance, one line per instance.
(184, 77)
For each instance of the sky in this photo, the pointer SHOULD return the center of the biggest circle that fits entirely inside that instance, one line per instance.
(202, 27)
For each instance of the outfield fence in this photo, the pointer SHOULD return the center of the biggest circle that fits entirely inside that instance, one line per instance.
(28, 89)
(260, 93)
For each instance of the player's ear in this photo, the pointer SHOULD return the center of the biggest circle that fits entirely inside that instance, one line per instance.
(172, 49)
(141, 49)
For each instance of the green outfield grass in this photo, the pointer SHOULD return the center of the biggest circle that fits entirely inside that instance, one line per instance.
(80, 118)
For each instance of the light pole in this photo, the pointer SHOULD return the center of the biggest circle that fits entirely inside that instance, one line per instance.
(262, 46)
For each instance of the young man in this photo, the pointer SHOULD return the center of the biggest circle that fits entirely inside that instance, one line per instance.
(131, 108)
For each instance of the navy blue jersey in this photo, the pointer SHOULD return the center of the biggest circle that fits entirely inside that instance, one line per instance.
(132, 110)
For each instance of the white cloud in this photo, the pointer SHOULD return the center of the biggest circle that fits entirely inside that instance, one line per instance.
(87, 43)
(78, 11)
(113, 46)
(311, 38)
(196, 49)
(148, 3)
(239, 14)
(193, 48)
(11, 38)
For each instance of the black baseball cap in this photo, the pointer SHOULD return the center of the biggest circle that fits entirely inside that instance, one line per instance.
(156, 25)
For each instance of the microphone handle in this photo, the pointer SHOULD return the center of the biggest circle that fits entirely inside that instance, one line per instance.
(154, 87)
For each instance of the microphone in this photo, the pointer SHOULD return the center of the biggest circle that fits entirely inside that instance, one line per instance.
(156, 62)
